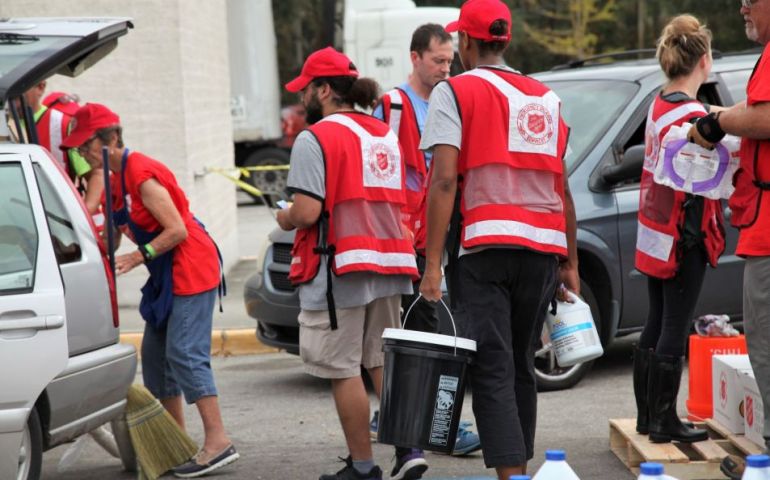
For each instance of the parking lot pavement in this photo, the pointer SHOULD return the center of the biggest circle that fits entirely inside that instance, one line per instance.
(284, 424)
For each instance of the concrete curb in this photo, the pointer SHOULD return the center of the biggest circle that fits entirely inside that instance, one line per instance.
(225, 342)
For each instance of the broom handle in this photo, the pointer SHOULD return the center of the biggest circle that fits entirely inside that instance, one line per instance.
(108, 224)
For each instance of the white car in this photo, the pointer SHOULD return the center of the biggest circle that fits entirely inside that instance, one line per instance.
(62, 371)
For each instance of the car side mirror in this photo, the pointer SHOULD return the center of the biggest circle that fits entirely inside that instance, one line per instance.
(629, 168)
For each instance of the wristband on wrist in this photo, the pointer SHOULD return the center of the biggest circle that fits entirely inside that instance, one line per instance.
(708, 127)
(148, 253)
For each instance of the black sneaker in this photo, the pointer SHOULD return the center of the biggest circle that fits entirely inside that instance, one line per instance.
(410, 466)
(195, 468)
(350, 473)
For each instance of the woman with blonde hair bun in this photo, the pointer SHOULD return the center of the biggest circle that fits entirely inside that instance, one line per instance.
(678, 234)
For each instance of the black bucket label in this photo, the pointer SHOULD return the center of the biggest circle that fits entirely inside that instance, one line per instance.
(442, 411)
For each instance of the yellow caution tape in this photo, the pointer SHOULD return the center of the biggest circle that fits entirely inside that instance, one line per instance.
(247, 187)
(245, 171)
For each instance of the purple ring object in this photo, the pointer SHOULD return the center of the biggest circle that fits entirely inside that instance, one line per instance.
(668, 166)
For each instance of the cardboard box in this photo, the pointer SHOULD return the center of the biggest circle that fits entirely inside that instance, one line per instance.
(753, 414)
(727, 390)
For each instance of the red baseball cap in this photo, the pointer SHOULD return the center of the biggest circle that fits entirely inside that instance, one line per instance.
(64, 102)
(87, 120)
(476, 16)
(326, 62)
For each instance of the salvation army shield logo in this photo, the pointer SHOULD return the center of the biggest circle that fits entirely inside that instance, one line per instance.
(535, 124)
(382, 161)
(749, 409)
(723, 389)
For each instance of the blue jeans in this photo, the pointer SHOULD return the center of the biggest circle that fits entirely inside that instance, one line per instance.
(178, 359)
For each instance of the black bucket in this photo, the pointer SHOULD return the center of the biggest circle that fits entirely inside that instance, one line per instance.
(423, 388)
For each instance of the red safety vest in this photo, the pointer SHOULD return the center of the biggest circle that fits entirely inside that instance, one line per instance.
(360, 227)
(52, 127)
(511, 161)
(749, 188)
(398, 112)
(661, 214)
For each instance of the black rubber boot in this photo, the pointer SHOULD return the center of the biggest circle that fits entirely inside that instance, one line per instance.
(641, 370)
(662, 390)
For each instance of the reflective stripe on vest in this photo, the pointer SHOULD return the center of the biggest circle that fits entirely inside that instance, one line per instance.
(654, 243)
(396, 106)
(511, 228)
(377, 154)
(373, 257)
(519, 107)
(655, 127)
(56, 133)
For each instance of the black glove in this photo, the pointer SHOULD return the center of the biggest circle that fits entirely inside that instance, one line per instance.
(708, 127)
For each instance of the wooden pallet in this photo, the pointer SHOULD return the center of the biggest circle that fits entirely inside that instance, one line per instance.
(694, 461)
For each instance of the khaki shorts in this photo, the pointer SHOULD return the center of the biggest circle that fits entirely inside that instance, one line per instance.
(357, 341)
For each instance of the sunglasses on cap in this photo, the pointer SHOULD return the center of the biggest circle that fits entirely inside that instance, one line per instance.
(748, 3)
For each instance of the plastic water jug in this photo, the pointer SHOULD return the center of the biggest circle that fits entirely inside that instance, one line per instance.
(573, 334)
(652, 471)
(757, 468)
(519, 477)
(555, 467)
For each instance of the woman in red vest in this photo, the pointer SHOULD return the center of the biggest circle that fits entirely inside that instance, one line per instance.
(678, 235)
(185, 273)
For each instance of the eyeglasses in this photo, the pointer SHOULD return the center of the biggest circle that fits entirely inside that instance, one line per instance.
(86, 145)
(748, 3)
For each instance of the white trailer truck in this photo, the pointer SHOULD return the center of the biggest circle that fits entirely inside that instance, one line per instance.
(375, 34)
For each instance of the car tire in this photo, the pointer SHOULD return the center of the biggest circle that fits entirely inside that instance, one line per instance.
(31, 450)
(549, 375)
(272, 184)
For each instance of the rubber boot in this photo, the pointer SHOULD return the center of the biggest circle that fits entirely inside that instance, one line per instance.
(641, 369)
(662, 390)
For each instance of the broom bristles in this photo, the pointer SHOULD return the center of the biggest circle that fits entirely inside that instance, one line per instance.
(158, 441)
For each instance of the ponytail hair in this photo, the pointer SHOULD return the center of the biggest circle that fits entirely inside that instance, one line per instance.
(681, 45)
(363, 92)
(499, 28)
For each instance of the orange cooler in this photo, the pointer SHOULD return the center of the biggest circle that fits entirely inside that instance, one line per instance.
(699, 404)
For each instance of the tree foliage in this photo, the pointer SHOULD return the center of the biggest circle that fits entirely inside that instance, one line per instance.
(568, 25)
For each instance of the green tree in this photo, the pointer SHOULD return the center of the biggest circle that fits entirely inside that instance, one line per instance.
(568, 23)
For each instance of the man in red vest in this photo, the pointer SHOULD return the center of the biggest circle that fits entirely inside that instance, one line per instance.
(750, 203)
(405, 109)
(498, 143)
(55, 123)
(352, 257)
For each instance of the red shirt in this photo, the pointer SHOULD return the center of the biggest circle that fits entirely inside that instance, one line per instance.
(196, 264)
(755, 240)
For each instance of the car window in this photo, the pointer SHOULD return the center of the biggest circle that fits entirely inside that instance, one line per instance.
(18, 234)
(736, 82)
(65, 242)
(17, 51)
(589, 107)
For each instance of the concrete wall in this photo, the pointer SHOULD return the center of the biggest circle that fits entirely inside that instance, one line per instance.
(168, 80)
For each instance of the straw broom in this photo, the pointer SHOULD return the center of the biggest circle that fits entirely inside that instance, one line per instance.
(159, 443)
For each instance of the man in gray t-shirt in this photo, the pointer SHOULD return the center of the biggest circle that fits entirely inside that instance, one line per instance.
(341, 324)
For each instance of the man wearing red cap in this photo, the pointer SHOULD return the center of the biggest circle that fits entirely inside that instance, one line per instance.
(185, 273)
(52, 125)
(352, 256)
(498, 143)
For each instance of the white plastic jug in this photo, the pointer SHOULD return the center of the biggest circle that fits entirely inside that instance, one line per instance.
(757, 468)
(573, 334)
(652, 471)
(555, 467)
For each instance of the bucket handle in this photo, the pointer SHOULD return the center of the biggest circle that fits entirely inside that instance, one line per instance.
(449, 312)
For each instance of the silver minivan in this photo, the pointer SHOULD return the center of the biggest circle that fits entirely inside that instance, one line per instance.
(63, 372)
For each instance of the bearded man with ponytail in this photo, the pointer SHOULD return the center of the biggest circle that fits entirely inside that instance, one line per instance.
(352, 256)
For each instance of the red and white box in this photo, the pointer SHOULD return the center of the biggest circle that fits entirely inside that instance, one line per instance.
(753, 414)
(727, 390)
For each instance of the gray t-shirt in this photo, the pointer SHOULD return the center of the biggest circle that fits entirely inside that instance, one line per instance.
(307, 175)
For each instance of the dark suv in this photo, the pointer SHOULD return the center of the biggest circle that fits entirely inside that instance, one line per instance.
(606, 106)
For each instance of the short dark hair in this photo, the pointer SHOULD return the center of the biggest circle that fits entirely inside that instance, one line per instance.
(424, 34)
(105, 133)
(498, 28)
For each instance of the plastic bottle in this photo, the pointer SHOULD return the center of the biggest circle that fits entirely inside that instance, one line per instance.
(555, 467)
(650, 471)
(519, 477)
(573, 334)
(757, 468)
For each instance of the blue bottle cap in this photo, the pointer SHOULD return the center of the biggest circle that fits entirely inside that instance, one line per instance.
(519, 477)
(650, 468)
(555, 455)
(758, 461)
